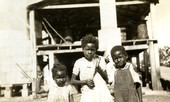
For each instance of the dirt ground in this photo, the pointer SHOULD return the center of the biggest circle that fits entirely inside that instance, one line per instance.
(148, 96)
(155, 96)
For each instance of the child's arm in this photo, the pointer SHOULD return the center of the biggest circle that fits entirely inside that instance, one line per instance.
(71, 99)
(139, 91)
(136, 78)
(89, 83)
(102, 73)
(99, 69)
(41, 91)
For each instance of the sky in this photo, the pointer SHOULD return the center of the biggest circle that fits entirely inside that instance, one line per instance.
(163, 22)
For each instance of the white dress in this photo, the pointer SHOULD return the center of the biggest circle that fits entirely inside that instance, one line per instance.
(59, 94)
(85, 69)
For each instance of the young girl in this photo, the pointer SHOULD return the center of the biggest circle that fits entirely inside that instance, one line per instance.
(60, 90)
(90, 69)
(127, 87)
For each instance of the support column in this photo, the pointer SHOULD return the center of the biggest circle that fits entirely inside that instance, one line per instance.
(33, 50)
(38, 30)
(109, 35)
(24, 90)
(51, 62)
(7, 91)
(154, 54)
(146, 67)
(138, 62)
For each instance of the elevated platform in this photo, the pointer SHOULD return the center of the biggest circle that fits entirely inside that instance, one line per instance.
(58, 48)
(130, 45)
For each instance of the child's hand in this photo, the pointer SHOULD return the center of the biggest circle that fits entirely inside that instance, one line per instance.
(90, 83)
(111, 88)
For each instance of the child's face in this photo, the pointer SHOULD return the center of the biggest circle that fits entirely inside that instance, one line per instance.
(60, 78)
(89, 51)
(119, 58)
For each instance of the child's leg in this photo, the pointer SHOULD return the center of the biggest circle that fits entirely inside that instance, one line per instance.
(139, 92)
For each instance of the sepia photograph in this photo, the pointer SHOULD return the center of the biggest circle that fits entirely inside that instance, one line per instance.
(84, 51)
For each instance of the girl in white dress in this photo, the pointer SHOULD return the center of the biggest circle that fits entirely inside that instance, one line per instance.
(59, 89)
(90, 69)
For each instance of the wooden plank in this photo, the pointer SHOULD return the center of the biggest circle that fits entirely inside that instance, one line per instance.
(136, 47)
(59, 45)
(128, 48)
(91, 5)
(140, 40)
(53, 41)
(54, 30)
(46, 52)
(131, 2)
(78, 45)
(71, 6)
(137, 42)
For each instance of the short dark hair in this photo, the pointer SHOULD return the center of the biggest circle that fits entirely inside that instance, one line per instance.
(89, 39)
(118, 48)
(58, 67)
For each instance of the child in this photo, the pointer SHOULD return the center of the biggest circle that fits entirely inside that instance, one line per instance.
(127, 87)
(90, 69)
(40, 84)
(60, 90)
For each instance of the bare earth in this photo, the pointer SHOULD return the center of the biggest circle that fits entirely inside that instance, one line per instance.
(149, 96)
(155, 96)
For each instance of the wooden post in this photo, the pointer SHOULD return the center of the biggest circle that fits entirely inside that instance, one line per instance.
(155, 71)
(51, 62)
(38, 80)
(7, 91)
(24, 90)
(146, 67)
(38, 30)
(33, 50)
(138, 62)
(154, 55)
(109, 35)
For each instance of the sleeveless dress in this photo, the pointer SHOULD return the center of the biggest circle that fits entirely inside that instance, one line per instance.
(59, 94)
(124, 88)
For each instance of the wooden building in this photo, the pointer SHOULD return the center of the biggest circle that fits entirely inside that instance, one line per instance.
(57, 26)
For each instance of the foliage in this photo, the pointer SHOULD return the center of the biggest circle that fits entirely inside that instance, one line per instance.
(164, 54)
